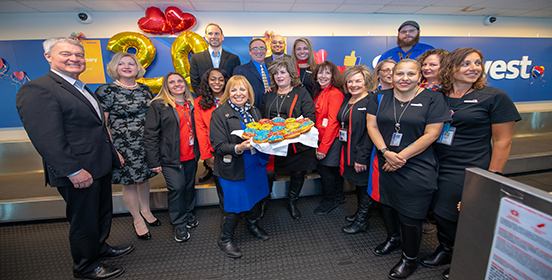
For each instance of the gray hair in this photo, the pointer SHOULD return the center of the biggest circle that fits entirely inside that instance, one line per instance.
(51, 42)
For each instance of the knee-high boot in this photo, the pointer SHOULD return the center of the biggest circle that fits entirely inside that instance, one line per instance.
(364, 212)
(295, 186)
(225, 243)
(412, 237)
(392, 226)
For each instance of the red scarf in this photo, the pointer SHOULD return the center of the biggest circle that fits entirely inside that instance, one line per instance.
(299, 62)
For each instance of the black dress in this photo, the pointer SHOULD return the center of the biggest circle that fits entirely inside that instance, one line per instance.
(409, 189)
(358, 147)
(297, 102)
(306, 78)
(127, 110)
(474, 115)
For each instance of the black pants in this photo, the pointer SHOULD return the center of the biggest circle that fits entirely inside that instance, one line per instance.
(89, 212)
(332, 182)
(182, 195)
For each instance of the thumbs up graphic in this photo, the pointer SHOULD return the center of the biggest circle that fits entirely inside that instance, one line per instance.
(351, 60)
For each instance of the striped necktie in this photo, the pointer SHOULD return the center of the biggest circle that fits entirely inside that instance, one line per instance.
(265, 80)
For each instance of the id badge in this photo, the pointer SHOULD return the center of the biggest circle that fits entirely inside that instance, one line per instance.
(343, 135)
(447, 135)
(324, 122)
(227, 159)
(191, 141)
(396, 139)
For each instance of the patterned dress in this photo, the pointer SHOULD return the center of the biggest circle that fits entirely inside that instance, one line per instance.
(127, 110)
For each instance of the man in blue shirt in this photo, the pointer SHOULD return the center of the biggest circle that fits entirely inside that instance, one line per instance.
(408, 43)
(256, 71)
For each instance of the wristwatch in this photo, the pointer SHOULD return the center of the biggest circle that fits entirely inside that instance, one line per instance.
(382, 151)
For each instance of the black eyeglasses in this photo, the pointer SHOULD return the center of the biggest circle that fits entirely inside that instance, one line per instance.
(278, 42)
(258, 49)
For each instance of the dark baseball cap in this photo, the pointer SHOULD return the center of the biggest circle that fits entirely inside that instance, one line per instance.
(409, 22)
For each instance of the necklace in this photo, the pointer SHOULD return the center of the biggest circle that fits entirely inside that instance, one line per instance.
(398, 122)
(279, 108)
(125, 86)
(457, 101)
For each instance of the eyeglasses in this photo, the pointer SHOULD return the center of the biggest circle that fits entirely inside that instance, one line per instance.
(258, 49)
(385, 71)
(408, 31)
(277, 42)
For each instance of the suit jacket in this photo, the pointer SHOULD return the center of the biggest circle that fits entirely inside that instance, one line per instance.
(201, 62)
(250, 72)
(268, 59)
(65, 129)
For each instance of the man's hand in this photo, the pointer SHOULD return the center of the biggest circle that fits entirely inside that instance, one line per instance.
(82, 180)
(210, 162)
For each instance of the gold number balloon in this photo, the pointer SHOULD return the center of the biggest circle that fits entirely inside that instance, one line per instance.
(181, 47)
(145, 50)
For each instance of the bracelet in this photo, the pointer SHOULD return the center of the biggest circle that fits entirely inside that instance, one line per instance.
(382, 151)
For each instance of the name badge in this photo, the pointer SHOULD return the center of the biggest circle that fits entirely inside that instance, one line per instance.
(396, 139)
(324, 122)
(227, 159)
(362, 109)
(343, 135)
(471, 101)
(417, 105)
(191, 141)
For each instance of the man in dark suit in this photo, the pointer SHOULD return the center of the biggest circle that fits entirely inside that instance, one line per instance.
(256, 71)
(214, 57)
(67, 127)
(278, 48)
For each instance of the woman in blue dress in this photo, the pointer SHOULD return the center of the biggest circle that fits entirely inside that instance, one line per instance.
(240, 168)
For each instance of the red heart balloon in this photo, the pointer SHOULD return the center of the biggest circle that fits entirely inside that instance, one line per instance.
(1, 63)
(20, 75)
(178, 20)
(320, 56)
(154, 21)
(341, 68)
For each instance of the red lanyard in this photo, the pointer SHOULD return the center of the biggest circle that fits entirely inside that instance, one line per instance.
(186, 116)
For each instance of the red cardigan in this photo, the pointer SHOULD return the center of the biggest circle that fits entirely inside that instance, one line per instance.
(202, 122)
(327, 105)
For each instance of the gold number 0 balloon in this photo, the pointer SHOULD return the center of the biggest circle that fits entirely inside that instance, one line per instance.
(181, 47)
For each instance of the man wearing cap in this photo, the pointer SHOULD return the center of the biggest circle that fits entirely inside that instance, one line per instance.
(408, 43)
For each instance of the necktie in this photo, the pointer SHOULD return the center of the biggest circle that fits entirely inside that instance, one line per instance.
(265, 80)
(216, 54)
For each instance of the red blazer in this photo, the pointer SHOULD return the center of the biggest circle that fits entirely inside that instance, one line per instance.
(202, 121)
(327, 104)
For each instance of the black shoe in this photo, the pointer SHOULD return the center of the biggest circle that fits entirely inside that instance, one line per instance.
(181, 234)
(326, 207)
(230, 249)
(256, 230)
(294, 211)
(117, 251)
(101, 272)
(192, 222)
(446, 274)
(355, 227)
(155, 223)
(390, 245)
(428, 228)
(350, 218)
(146, 236)
(207, 174)
(441, 256)
(404, 268)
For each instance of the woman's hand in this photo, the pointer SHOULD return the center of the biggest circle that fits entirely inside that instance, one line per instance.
(360, 167)
(245, 145)
(210, 162)
(121, 159)
(157, 169)
(320, 156)
(393, 161)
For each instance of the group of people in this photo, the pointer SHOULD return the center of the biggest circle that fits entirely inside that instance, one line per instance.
(403, 135)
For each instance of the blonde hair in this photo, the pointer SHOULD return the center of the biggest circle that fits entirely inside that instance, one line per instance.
(165, 93)
(287, 64)
(112, 65)
(310, 59)
(232, 82)
(364, 71)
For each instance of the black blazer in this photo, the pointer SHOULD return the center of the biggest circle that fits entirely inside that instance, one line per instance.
(65, 129)
(201, 62)
(162, 135)
(268, 59)
(250, 72)
(223, 121)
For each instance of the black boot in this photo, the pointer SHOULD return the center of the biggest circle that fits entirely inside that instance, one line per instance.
(256, 230)
(295, 186)
(264, 206)
(446, 274)
(412, 237)
(443, 254)
(225, 242)
(392, 226)
(363, 213)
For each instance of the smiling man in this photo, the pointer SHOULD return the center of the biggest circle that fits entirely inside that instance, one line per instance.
(408, 43)
(278, 48)
(67, 127)
(256, 71)
(214, 57)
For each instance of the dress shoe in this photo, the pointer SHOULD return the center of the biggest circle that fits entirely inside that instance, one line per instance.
(326, 207)
(192, 222)
(256, 230)
(230, 249)
(404, 268)
(441, 256)
(207, 174)
(355, 227)
(117, 251)
(181, 234)
(390, 245)
(101, 272)
(146, 236)
(446, 274)
(155, 223)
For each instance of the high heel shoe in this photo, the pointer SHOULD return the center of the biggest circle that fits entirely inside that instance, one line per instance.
(146, 236)
(155, 223)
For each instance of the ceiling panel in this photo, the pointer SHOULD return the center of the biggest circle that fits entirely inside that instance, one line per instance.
(369, 9)
(15, 7)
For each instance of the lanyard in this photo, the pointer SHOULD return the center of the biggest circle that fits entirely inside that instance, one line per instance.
(186, 116)
(398, 122)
